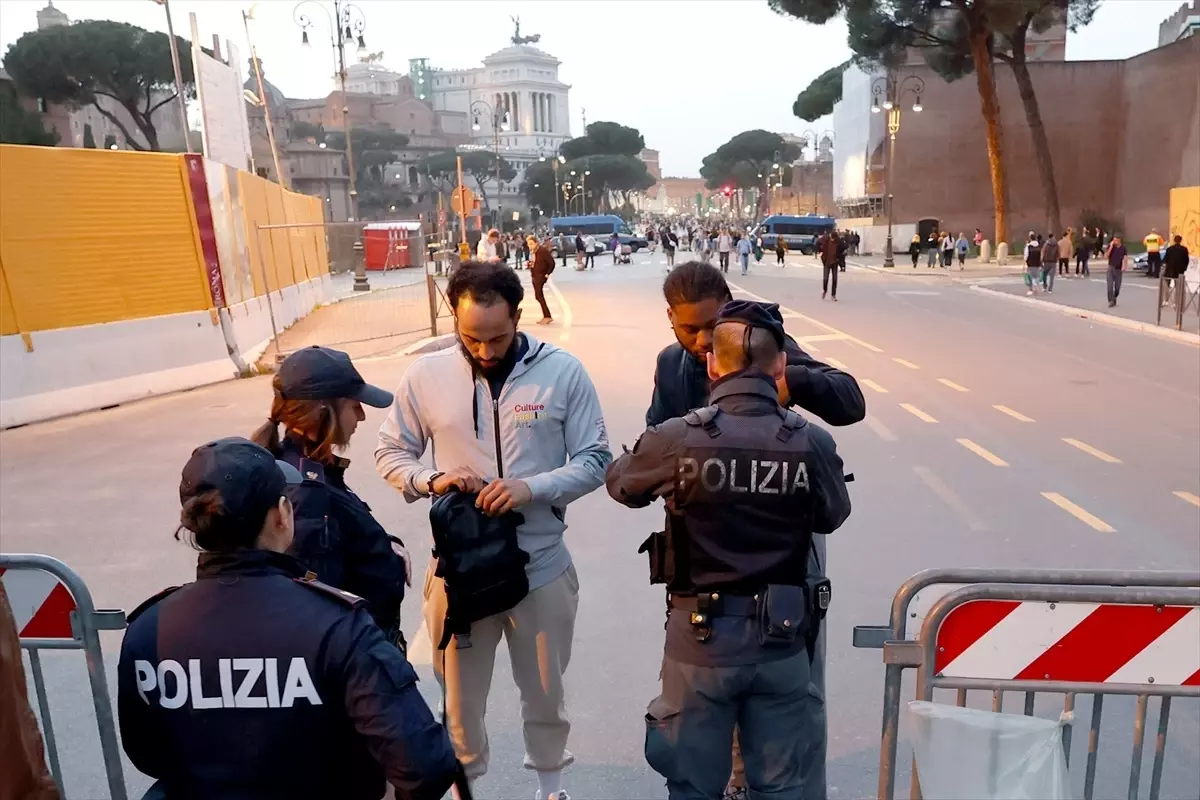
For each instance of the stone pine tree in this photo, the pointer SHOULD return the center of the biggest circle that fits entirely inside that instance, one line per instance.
(609, 152)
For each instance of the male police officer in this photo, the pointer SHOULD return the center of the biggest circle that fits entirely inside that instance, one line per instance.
(752, 483)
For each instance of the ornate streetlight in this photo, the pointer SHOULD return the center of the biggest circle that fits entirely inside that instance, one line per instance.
(887, 92)
(346, 25)
(500, 121)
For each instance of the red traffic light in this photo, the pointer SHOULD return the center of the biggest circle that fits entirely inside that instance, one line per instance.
(727, 190)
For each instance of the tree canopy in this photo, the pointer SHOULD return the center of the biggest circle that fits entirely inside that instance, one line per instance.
(609, 152)
(478, 164)
(605, 138)
(75, 65)
(18, 126)
(818, 99)
(374, 148)
(739, 162)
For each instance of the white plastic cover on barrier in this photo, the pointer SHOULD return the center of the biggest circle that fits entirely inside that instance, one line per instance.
(968, 754)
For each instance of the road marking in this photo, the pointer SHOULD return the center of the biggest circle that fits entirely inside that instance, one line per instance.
(956, 387)
(787, 312)
(879, 428)
(1091, 451)
(822, 337)
(916, 412)
(926, 294)
(986, 455)
(904, 363)
(870, 384)
(1188, 496)
(950, 498)
(1017, 415)
(833, 362)
(567, 316)
(1083, 516)
(420, 649)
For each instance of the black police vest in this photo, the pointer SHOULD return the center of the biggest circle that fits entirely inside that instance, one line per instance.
(742, 500)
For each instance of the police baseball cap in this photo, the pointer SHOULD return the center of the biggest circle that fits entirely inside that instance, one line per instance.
(755, 315)
(246, 475)
(319, 373)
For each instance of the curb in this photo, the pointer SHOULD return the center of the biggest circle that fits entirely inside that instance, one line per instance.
(1098, 316)
(957, 276)
(429, 344)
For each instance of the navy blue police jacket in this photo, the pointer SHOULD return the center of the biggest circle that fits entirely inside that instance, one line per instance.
(339, 539)
(252, 682)
(681, 384)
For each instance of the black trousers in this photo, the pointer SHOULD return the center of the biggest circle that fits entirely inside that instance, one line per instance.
(826, 271)
(538, 285)
(724, 261)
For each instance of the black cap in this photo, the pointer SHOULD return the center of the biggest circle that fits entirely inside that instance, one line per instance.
(246, 475)
(319, 373)
(755, 315)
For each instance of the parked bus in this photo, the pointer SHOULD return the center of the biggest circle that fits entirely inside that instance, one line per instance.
(601, 226)
(800, 233)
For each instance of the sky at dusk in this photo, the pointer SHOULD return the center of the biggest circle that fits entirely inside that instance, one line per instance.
(689, 74)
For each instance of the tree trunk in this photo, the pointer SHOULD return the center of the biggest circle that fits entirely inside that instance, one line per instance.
(989, 104)
(1037, 129)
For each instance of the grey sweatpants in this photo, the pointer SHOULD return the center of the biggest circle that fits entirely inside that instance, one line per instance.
(1112, 280)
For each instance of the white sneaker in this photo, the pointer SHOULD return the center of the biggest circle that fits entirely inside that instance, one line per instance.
(1029, 293)
(561, 794)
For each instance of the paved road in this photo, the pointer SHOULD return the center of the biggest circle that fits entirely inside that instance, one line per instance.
(1104, 421)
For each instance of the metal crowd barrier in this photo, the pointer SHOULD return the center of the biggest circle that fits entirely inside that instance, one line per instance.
(55, 612)
(1178, 298)
(1149, 589)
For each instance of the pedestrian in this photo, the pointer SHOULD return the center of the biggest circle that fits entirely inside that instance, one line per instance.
(561, 244)
(25, 775)
(744, 248)
(843, 246)
(651, 239)
(724, 248)
(758, 247)
(1116, 254)
(490, 247)
(829, 263)
(614, 245)
(725, 664)
(947, 243)
(318, 400)
(670, 242)
(539, 272)
(579, 252)
(855, 241)
(1049, 262)
(255, 679)
(933, 250)
(1154, 244)
(1175, 263)
(531, 439)
(1033, 263)
(1083, 252)
(589, 251)
(914, 249)
(781, 249)
(1100, 249)
(978, 241)
(1064, 254)
(961, 246)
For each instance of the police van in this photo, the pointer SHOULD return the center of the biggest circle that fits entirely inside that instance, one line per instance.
(599, 226)
(800, 232)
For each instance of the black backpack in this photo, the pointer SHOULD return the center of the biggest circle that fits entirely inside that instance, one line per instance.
(479, 561)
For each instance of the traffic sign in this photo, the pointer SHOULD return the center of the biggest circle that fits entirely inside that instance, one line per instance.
(461, 200)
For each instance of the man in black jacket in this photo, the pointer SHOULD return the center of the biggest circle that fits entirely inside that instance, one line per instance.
(695, 292)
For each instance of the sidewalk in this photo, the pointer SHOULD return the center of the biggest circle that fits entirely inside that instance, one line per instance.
(972, 270)
(1137, 303)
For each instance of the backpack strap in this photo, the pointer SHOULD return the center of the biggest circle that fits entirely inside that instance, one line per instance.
(704, 418)
(790, 424)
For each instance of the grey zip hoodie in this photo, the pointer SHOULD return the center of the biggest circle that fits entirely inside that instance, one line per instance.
(546, 428)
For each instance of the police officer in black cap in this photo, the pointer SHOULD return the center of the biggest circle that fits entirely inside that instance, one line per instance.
(319, 399)
(753, 482)
(256, 681)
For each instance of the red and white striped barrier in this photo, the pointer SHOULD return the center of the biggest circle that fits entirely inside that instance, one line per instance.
(1083, 642)
(41, 604)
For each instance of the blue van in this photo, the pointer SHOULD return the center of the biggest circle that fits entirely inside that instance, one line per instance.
(800, 233)
(601, 226)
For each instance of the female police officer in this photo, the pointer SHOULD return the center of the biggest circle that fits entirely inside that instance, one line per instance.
(319, 397)
(256, 681)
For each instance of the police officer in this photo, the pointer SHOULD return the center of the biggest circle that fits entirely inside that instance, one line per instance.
(319, 398)
(752, 482)
(256, 681)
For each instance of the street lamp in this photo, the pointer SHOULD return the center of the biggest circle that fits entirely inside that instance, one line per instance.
(500, 121)
(887, 92)
(346, 24)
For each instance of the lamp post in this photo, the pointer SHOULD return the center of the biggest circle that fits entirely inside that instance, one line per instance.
(346, 24)
(886, 93)
(501, 121)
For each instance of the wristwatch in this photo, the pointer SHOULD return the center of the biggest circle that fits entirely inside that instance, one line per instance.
(429, 483)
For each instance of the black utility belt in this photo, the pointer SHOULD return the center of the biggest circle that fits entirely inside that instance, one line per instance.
(783, 611)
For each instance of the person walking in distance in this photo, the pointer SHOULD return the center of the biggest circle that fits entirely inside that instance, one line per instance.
(745, 247)
(517, 422)
(829, 259)
(1116, 253)
(670, 242)
(914, 249)
(1175, 263)
(724, 248)
(947, 243)
(843, 245)
(561, 244)
(1033, 263)
(933, 251)
(780, 249)
(539, 271)
(1154, 244)
(961, 246)
(589, 251)
(1049, 262)
(1083, 252)
(1064, 254)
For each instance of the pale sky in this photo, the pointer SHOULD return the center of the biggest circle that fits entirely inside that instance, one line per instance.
(689, 74)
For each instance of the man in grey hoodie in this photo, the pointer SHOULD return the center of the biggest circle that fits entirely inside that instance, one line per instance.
(519, 422)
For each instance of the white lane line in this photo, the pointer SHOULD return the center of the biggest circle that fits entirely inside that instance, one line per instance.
(788, 311)
(1080, 514)
(916, 412)
(833, 362)
(567, 316)
(956, 387)
(420, 649)
(1091, 451)
(1188, 497)
(870, 384)
(879, 428)
(823, 337)
(1017, 415)
(904, 363)
(950, 498)
(983, 453)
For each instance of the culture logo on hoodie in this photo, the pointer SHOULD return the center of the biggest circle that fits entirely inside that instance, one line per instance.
(526, 414)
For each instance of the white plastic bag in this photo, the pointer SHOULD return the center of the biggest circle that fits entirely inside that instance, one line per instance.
(967, 754)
